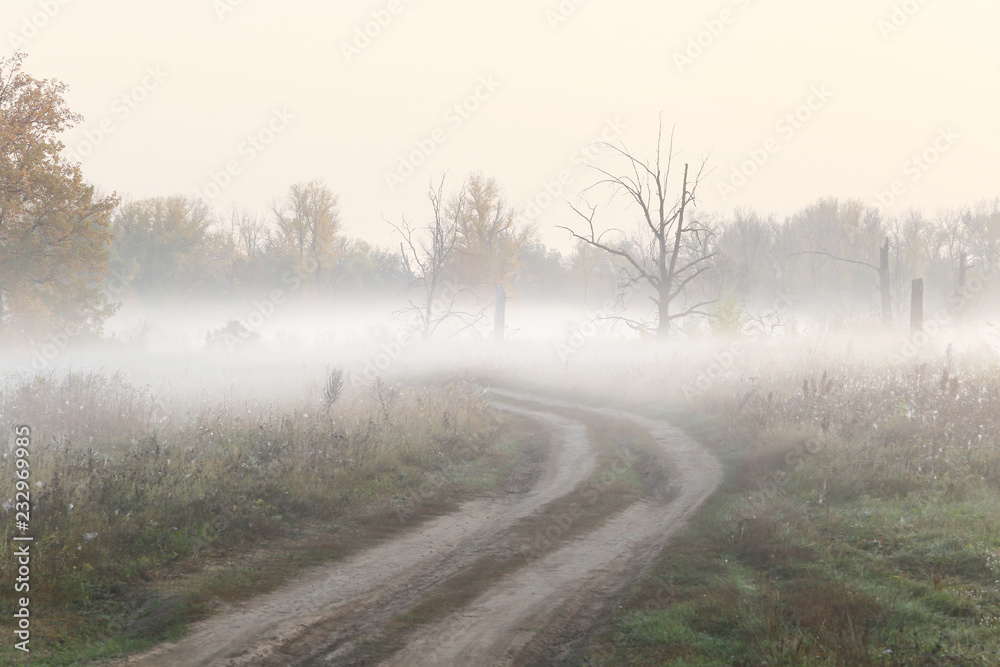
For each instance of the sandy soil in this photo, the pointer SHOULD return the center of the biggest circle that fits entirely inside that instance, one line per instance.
(539, 614)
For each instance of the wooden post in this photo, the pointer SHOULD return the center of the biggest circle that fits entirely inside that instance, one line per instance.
(498, 313)
(917, 306)
(963, 265)
(883, 278)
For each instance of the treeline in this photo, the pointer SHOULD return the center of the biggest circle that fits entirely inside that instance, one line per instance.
(826, 259)
(176, 246)
(823, 259)
(69, 256)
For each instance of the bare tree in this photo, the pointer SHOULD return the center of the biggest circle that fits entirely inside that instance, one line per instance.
(884, 276)
(836, 230)
(672, 251)
(248, 231)
(427, 254)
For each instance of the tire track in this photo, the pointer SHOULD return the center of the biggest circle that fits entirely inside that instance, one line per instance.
(328, 611)
(518, 620)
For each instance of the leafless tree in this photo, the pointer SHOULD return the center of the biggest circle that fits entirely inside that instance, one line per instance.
(427, 253)
(672, 250)
(248, 230)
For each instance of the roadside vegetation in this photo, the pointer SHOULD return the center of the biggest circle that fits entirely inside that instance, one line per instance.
(146, 514)
(629, 467)
(859, 523)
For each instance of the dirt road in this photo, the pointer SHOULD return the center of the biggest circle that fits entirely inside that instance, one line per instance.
(540, 613)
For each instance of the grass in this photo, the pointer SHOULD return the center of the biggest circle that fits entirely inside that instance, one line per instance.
(859, 522)
(147, 516)
(629, 467)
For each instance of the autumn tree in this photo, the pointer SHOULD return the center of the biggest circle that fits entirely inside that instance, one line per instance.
(429, 253)
(248, 229)
(671, 250)
(366, 270)
(833, 238)
(247, 232)
(307, 220)
(165, 244)
(54, 229)
(489, 237)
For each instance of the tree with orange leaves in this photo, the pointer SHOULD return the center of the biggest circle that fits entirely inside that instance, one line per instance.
(54, 230)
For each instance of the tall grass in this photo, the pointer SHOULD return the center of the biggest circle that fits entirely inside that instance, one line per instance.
(860, 519)
(124, 484)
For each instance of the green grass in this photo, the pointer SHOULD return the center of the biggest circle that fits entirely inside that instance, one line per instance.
(629, 467)
(872, 549)
(144, 524)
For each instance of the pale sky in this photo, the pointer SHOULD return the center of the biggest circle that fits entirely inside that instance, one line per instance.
(887, 79)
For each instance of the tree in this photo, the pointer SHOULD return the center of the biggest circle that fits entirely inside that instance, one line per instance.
(745, 261)
(164, 244)
(248, 229)
(671, 251)
(307, 220)
(54, 229)
(428, 254)
(488, 240)
(246, 233)
(363, 270)
(835, 229)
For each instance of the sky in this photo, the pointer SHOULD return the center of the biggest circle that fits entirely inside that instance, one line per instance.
(786, 101)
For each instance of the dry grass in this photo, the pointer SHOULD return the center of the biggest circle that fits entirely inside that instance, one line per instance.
(859, 520)
(123, 486)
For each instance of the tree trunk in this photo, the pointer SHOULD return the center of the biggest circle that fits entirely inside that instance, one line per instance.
(883, 275)
(429, 310)
(668, 272)
(917, 306)
(663, 313)
(498, 314)
(960, 284)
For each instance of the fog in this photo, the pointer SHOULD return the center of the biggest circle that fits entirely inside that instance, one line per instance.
(557, 333)
(579, 65)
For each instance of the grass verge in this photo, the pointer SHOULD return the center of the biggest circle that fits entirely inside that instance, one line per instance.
(146, 520)
(629, 467)
(858, 525)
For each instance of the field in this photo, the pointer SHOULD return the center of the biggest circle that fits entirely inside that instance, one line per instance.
(857, 522)
(146, 514)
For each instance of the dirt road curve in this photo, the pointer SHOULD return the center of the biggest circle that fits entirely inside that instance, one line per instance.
(540, 613)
